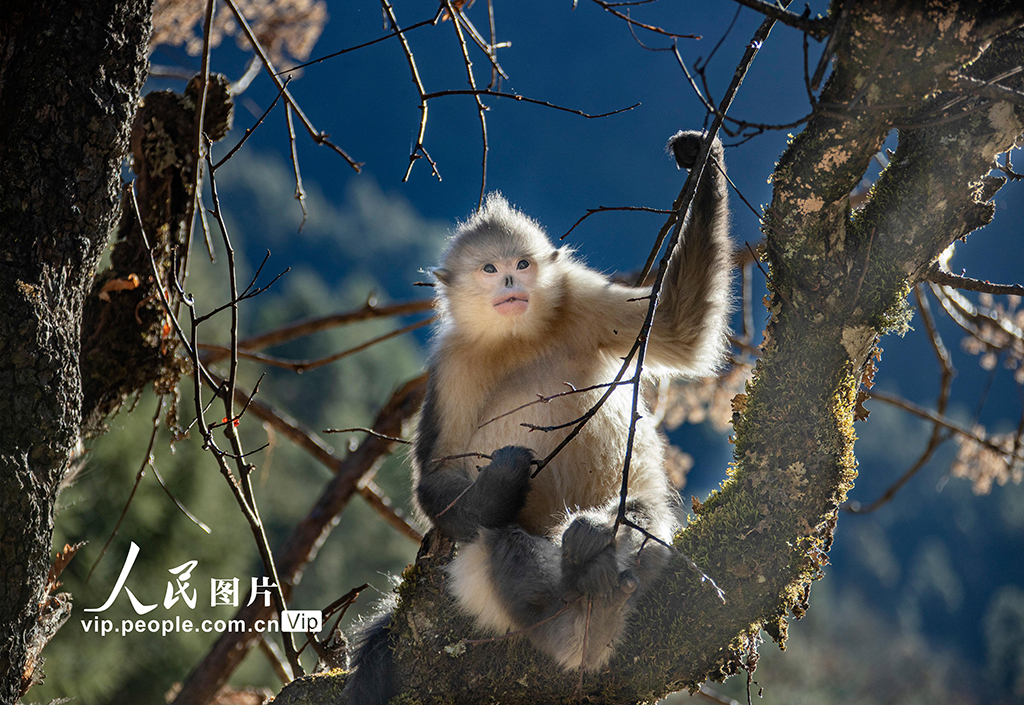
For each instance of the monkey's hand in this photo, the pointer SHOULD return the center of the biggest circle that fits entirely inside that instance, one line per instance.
(500, 489)
(686, 144)
(589, 564)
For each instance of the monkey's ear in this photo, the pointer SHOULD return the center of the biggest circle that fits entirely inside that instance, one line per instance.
(555, 255)
(442, 275)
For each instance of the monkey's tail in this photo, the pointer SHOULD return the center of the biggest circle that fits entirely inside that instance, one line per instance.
(373, 682)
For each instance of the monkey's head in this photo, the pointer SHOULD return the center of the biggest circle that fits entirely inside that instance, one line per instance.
(500, 276)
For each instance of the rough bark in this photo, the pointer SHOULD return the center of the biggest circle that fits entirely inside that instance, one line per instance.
(70, 76)
(838, 281)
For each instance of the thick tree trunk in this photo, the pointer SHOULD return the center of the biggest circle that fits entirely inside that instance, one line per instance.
(70, 77)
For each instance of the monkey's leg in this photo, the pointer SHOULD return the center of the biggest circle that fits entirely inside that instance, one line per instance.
(595, 561)
(603, 572)
(507, 578)
(510, 581)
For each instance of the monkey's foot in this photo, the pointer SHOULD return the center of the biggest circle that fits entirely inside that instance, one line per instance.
(589, 563)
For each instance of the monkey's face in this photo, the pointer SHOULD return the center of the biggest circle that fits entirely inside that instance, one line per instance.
(498, 298)
(509, 282)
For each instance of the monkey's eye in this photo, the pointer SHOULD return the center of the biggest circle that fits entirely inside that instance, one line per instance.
(523, 264)
(490, 269)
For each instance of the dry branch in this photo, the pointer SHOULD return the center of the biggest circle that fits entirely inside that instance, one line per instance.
(302, 545)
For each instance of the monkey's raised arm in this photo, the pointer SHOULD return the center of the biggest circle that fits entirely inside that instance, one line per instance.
(691, 323)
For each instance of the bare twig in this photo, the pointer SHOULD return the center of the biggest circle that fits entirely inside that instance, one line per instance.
(432, 21)
(375, 497)
(606, 209)
(817, 27)
(940, 276)
(524, 99)
(704, 577)
(252, 129)
(488, 48)
(301, 546)
(323, 453)
(245, 80)
(321, 138)
(300, 193)
(281, 668)
(306, 365)
(419, 149)
(197, 141)
(146, 462)
(368, 311)
(935, 418)
(610, 7)
(241, 486)
(544, 400)
(481, 109)
(681, 205)
(370, 431)
(755, 128)
(837, 30)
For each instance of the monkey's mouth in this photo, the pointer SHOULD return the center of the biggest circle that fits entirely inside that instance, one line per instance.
(513, 304)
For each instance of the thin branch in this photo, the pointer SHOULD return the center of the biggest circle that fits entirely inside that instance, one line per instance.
(971, 318)
(300, 193)
(432, 21)
(245, 80)
(375, 497)
(370, 431)
(480, 107)
(488, 48)
(524, 99)
(817, 27)
(177, 503)
(837, 30)
(939, 276)
(368, 311)
(281, 668)
(681, 205)
(496, 71)
(741, 125)
(320, 138)
(544, 400)
(704, 577)
(241, 486)
(606, 209)
(197, 141)
(307, 536)
(165, 299)
(935, 418)
(306, 365)
(146, 462)
(322, 452)
(610, 7)
(721, 40)
(419, 149)
(247, 294)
